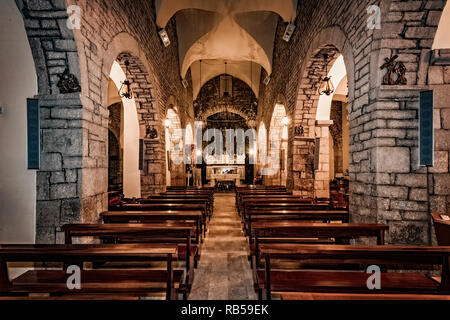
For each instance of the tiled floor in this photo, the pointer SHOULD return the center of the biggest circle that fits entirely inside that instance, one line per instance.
(224, 272)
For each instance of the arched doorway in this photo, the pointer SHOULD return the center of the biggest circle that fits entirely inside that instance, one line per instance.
(261, 154)
(333, 134)
(175, 168)
(123, 123)
(17, 183)
(278, 137)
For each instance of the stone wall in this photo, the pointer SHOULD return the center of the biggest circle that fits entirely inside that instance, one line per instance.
(386, 185)
(242, 101)
(75, 125)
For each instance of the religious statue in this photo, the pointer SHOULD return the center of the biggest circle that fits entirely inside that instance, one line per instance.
(151, 132)
(389, 64)
(401, 70)
(68, 83)
(298, 131)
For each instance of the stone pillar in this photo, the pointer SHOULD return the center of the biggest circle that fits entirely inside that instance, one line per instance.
(322, 174)
(303, 167)
(59, 187)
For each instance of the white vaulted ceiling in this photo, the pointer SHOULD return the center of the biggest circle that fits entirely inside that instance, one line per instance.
(215, 31)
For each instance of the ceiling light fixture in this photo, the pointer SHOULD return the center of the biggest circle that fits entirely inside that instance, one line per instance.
(125, 88)
(164, 37)
(326, 86)
(288, 32)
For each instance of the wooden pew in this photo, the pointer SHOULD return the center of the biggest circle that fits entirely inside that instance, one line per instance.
(168, 207)
(299, 231)
(180, 233)
(101, 281)
(177, 195)
(441, 228)
(157, 216)
(280, 206)
(252, 201)
(299, 215)
(360, 296)
(282, 281)
(174, 200)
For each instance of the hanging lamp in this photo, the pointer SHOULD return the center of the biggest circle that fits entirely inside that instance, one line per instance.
(326, 86)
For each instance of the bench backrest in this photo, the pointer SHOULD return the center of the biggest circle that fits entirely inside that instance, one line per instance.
(442, 228)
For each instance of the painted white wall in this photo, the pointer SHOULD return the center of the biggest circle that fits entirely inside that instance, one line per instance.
(337, 73)
(18, 82)
(131, 173)
(442, 38)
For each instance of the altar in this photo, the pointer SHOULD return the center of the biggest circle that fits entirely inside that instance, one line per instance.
(225, 168)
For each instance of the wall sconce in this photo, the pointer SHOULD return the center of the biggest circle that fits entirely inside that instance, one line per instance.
(326, 86)
(199, 153)
(164, 37)
(288, 32)
(167, 123)
(285, 121)
(266, 80)
(125, 88)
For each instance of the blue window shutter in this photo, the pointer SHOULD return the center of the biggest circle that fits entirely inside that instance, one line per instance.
(33, 134)
(426, 130)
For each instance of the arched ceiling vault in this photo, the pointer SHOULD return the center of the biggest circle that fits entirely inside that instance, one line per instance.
(237, 31)
(238, 69)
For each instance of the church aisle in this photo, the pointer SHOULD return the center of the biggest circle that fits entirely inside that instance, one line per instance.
(224, 272)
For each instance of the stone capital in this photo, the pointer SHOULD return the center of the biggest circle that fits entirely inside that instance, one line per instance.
(324, 123)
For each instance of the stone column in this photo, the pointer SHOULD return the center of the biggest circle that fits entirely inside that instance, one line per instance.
(322, 174)
(59, 179)
(303, 167)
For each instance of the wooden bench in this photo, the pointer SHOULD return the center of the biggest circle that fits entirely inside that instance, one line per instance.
(339, 281)
(54, 282)
(360, 296)
(180, 233)
(157, 216)
(272, 199)
(281, 205)
(163, 200)
(441, 228)
(294, 215)
(303, 232)
(163, 207)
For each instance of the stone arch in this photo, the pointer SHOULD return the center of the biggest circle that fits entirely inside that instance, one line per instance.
(218, 109)
(334, 42)
(307, 180)
(52, 44)
(124, 47)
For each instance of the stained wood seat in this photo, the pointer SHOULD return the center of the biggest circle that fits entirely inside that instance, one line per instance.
(360, 296)
(97, 281)
(442, 228)
(345, 281)
(388, 258)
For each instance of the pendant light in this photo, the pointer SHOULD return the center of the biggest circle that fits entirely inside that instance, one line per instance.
(125, 88)
(326, 86)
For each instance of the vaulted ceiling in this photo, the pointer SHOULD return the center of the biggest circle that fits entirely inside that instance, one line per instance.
(236, 31)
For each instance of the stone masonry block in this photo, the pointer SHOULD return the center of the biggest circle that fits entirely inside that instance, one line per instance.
(390, 159)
